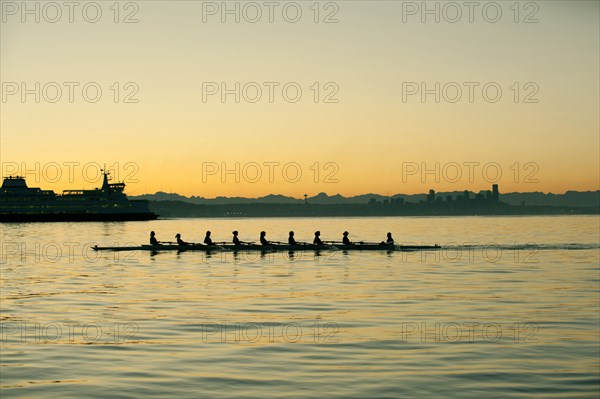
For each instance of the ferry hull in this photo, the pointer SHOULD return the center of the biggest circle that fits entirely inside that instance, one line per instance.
(20, 203)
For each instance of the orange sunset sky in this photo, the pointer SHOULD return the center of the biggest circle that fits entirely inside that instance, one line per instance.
(361, 123)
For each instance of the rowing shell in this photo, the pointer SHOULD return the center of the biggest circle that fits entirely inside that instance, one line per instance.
(252, 247)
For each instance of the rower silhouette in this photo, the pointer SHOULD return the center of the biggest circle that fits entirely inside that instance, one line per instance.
(291, 239)
(153, 240)
(180, 241)
(208, 240)
(388, 241)
(346, 240)
(317, 240)
(236, 240)
(263, 240)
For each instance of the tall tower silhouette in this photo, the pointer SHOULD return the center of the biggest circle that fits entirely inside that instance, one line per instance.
(495, 193)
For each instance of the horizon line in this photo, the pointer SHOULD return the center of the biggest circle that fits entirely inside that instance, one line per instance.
(365, 194)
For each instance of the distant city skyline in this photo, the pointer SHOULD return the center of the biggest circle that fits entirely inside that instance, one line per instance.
(88, 175)
(43, 179)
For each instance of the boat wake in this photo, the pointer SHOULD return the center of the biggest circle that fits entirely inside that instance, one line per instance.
(518, 247)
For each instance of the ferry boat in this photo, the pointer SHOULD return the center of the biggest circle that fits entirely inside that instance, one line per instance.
(19, 203)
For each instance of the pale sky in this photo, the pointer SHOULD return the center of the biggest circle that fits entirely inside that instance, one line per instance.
(368, 129)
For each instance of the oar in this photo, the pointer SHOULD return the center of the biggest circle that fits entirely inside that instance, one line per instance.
(216, 245)
(325, 245)
(231, 243)
(287, 243)
(303, 243)
(187, 245)
(175, 243)
(383, 244)
(208, 247)
(338, 244)
(246, 243)
(220, 245)
(241, 246)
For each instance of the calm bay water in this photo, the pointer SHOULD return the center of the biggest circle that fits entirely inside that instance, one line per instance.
(509, 309)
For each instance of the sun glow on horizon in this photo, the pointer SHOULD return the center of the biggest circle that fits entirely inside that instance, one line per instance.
(377, 102)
